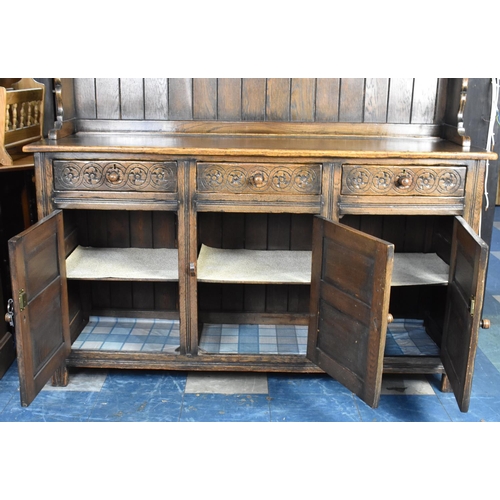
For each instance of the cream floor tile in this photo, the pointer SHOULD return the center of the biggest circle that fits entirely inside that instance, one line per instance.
(226, 383)
(83, 381)
(414, 386)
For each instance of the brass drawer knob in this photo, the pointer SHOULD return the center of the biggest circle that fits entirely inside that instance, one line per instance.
(485, 324)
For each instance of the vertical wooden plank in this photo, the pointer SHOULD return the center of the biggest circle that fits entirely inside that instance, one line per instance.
(441, 99)
(210, 229)
(205, 98)
(229, 99)
(400, 98)
(278, 99)
(180, 98)
(254, 298)
(85, 98)
(278, 232)
(132, 98)
(327, 99)
(256, 231)
(303, 99)
(376, 94)
(424, 100)
(301, 232)
(166, 296)
(253, 99)
(107, 98)
(97, 231)
(143, 296)
(233, 230)
(156, 98)
(164, 227)
(141, 229)
(121, 294)
(351, 100)
(118, 229)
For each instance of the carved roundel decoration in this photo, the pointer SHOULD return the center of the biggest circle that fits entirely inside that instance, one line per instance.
(137, 176)
(114, 175)
(212, 178)
(382, 181)
(448, 182)
(92, 175)
(236, 179)
(426, 181)
(281, 178)
(359, 179)
(162, 177)
(70, 176)
(305, 180)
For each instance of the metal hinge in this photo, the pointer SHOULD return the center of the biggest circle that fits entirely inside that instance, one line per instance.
(23, 301)
(472, 307)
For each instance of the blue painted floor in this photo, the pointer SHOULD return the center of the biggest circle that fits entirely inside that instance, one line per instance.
(155, 396)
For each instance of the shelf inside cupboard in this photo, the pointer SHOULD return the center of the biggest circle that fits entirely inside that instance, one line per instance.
(127, 264)
(217, 265)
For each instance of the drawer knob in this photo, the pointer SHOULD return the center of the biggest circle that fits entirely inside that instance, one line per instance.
(257, 179)
(404, 181)
(113, 176)
(485, 324)
(390, 318)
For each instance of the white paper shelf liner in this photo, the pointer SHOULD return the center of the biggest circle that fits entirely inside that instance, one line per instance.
(419, 269)
(147, 264)
(217, 265)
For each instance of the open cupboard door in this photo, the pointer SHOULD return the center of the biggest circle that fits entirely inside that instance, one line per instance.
(350, 290)
(469, 256)
(38, 270)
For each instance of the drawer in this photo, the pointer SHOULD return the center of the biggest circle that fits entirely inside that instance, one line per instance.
(265, 178)
(378, 180)
(108, 175)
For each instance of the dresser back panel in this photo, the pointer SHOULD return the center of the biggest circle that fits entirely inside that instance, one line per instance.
(343, 100)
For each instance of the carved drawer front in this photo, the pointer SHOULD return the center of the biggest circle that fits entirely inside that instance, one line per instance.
(373, 180)
(264, 178)
(115, 176)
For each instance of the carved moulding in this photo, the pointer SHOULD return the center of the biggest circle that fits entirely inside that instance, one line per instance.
(115, 176)
(408, 181)
(259, 178)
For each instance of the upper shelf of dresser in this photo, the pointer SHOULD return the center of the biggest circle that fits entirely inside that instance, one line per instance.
(261, 145)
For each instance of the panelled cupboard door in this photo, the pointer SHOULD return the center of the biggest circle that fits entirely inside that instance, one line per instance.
(38, 272)
(350, 290)
(469, 256)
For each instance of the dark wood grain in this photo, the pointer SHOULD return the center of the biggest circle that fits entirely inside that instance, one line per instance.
(351, 99)
(278, 99)
(205, 98)
(327, 99)
(303, 99)
(253, 99)
(180, 98)
(229, 99)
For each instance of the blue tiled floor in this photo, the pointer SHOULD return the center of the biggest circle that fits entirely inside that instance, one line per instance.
(155, 396)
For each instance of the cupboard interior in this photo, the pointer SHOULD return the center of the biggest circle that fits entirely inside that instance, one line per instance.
(123, 286)
(266, 316)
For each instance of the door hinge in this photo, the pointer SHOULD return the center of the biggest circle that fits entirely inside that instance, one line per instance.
(23, 302)
(472, 307)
